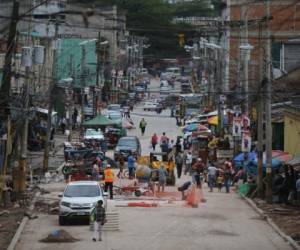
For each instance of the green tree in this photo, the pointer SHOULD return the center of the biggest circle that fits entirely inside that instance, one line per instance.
(153, 19)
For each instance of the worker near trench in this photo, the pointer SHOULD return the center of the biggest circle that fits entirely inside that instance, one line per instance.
(108, 180)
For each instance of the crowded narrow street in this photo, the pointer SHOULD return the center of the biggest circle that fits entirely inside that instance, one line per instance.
(149, 125)
(224, 221)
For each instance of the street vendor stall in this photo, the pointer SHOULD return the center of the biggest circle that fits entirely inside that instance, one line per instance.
(249, 161)
(100, 121)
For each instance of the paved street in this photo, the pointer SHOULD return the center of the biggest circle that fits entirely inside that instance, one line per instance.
(225, 221)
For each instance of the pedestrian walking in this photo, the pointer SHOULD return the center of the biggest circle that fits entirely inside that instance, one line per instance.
(131, 165)
(220, 181)
(197, 170)
(164, 139)
(143, 125)
(227, 176)
(170, 146)
(63, 124)
(154, 140)
(98, 217)
(109, 181)
(162, 178)
(211, 173)
(120, 175)
(188, 162)
(95, 171)
(179, 163)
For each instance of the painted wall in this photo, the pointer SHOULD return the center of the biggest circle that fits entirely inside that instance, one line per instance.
(292, 134)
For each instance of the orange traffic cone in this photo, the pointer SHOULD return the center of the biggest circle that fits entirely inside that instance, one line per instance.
(192, 197)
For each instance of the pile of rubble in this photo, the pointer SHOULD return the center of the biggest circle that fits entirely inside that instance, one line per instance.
(59, 236)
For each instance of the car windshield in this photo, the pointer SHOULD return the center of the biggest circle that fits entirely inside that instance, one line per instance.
(115, 116)
(114, 107)
(127, 143)
(93, 133)
(82, 191)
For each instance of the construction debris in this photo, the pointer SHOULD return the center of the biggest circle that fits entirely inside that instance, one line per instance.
(58, 236)
(4, 212)
(141, 204)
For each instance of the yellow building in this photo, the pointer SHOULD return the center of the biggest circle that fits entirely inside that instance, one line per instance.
(292, 131)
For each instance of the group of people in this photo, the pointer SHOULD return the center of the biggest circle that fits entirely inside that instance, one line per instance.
(165, 143)
(220, 177)
(286, 186)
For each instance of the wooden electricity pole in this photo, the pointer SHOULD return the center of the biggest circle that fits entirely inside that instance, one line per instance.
(268, 100)
(260, 126)
(50, 106)
(6, 78)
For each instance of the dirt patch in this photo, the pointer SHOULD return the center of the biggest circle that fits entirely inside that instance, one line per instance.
(59, 236)
(206, 216)
(286, 217)
(212, 217)
(9, 224)
(222, 233)
(44, 206)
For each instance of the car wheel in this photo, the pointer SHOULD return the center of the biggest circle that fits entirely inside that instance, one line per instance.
(62, 221)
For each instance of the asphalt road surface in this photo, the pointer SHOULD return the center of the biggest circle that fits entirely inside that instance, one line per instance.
(224, 222)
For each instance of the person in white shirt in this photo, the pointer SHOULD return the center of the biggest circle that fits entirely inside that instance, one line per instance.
(188, 162)
(211, 173)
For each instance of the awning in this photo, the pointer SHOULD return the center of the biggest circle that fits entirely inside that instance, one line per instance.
(43, 111)
(100, 120)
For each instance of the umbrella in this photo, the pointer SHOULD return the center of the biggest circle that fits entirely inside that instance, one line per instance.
(100, 120)
(202, 128)
(213, 120)
(251, 164)
(281, 156)
(191, 128)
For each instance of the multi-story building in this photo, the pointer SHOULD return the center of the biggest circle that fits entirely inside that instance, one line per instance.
(284, 26)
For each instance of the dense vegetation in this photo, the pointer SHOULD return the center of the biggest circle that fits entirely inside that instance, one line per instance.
(153, 19)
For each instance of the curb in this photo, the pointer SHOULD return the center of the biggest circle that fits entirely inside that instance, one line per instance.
(15, 239)
(287, 238)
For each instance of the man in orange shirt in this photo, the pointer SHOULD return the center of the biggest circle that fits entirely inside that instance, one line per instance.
(109, 180)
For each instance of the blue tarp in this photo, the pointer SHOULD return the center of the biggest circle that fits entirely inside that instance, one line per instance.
(251, 163)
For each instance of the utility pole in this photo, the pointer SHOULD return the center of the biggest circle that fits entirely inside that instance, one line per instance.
(98, 69)
(268, 100)
(260, 126)
(82, 78)
(6, 78)
(70, 97)
(98, 44)
(24, 137)
(220, 91)
(50, 106)
(245, 49)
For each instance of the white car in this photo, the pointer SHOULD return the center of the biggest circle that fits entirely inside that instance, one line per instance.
(79, 199)
(114, 107)
(93, 134)
(150, 106)
(115, 116)
(165, 90)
